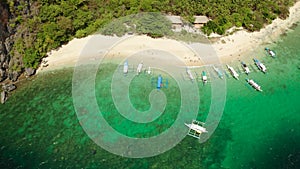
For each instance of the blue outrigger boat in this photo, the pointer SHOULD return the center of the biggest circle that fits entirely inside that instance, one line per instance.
(159, 82)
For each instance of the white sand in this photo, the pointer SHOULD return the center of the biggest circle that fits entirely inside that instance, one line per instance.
(235, 45)
(65, 56)
(91, 47)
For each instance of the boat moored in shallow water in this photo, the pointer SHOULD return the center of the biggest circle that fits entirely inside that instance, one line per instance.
(196, 128)
(125, 68)
(233, 72)
(159, 82)
(149, 70)
(270, 52)
(245, 68)
(139, 68)
(204, 77)
(254, 84)
(260, 65)
(220, 74)
(191, 77)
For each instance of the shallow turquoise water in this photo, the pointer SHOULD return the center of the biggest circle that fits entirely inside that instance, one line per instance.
(39, 127)
(264, 125)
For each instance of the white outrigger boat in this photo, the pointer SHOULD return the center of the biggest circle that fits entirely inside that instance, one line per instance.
(139, 68)
(260, 66)
(270, 52)
(204, 77)
(149, 70)
(233, 72)
(254, 85)
(188, 71)
(196, 129)
(245, 68)
(219, 72)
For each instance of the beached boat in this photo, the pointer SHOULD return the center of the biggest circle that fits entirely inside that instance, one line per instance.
(125, 67)
(204, 77)
(245, 68)
(233, 72)
(220, 74)
(260, 66)
(254, 84)
(270, 52)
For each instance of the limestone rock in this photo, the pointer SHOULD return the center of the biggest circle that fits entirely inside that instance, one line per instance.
(29, 71)
(13, 76)
(2, 75)
(3, 97)
(9, 87)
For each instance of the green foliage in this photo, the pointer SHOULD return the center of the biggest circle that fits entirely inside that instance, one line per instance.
(51, 23)
(152, 24)
(116, 27)
(252, 15)
(31, 58)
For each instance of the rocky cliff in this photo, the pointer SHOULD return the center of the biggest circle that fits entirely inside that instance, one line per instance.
(5, 42)
(9, 70)
(4, 46)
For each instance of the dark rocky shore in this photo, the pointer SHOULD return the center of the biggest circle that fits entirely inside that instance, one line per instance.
(9, 73)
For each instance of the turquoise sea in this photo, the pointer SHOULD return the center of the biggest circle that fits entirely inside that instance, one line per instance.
(40, 129)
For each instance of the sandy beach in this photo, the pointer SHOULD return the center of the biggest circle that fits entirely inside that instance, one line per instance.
(227, 48)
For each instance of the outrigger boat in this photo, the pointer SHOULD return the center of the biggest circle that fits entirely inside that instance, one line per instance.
(260, 66)
(125, 68)
(220, 74)
(204, 77)
(270, 52)
(149, 70)
(254, 85)
(188, 71)
(196, 129)
(139, 68)
(159, 82)
(233, 72)
(245, 67)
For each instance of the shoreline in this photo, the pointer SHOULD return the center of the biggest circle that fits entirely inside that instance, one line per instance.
(243, 43)
(228, 48)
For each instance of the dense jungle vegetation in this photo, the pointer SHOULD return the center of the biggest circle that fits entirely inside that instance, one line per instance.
(43, 25)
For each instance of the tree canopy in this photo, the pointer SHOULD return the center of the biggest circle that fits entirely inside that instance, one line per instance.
(46, 24)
